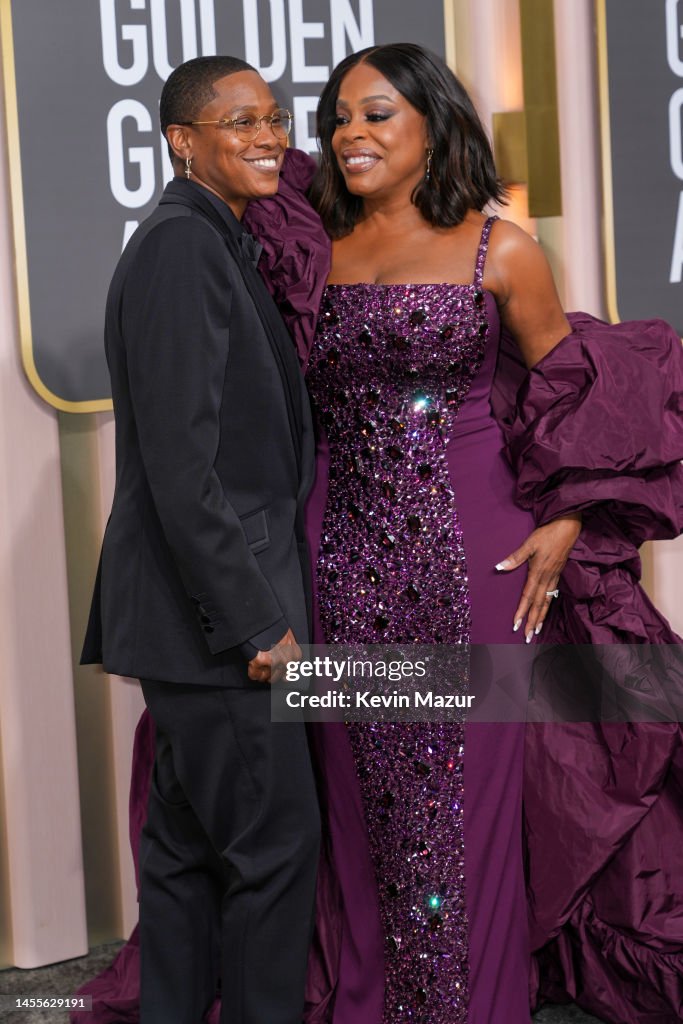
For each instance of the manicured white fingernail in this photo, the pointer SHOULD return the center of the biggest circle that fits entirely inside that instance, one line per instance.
(517, 624)
(538, 629)
(503, 565)
(530, 636)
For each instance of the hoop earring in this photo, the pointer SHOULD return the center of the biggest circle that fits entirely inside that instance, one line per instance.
(430, 154)
(188, 167)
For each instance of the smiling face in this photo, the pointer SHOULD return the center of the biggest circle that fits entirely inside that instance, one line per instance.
(233, 169)
(380, 140)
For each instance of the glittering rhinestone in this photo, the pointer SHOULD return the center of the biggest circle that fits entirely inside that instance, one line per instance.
(412, 593)
(373, 575)
(396, 425)
(368, 428)
(394, 452)
(421, 996)
(332, 317)
(372, 397)
(332, 357)
(365, 337)
(399, 342)
(387, 798)
(414, 524)
(392, 890)
(422, 768)
(447, 332)
(388, 489)
(424, 471)
(452, 396)
(418, 316)
(479, 297)
(354, 512)
(381, 622)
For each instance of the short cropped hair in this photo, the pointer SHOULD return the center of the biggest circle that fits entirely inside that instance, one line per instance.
(462, 172)
(190, 87)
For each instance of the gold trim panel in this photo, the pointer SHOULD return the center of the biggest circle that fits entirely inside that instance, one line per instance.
(17, 207)
(606, 151)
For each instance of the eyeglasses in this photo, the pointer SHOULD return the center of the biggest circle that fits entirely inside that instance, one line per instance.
(247, 127)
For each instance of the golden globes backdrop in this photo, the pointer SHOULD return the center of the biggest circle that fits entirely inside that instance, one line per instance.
(87, 160)
(641, 58)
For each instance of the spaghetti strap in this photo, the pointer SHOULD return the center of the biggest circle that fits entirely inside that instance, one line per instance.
(482, 251)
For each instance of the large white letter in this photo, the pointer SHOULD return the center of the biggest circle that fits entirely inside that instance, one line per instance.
(188, 31)
(278, 33)
(143, 156)
(674, 33)
(360, 33)
(207, 25)
(676, 133)
(135, 34)
(301, 30)
(677, 258)
(304, 106)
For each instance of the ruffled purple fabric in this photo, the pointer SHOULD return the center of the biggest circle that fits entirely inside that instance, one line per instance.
(295, 261)
(605, 886)
(576, 445)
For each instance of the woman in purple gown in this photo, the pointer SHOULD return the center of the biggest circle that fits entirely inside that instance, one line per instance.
(421, 909)
(420, 508)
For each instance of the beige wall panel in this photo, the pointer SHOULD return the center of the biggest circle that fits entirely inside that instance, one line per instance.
(126, 703)
(38, 747)
(577, 97)
(82, 515)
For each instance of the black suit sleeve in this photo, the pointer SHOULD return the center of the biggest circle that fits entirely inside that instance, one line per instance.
(175, 318)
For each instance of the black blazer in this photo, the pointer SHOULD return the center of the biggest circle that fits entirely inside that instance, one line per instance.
(204, 553)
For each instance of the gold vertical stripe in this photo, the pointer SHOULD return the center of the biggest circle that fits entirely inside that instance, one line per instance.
(17, 206)
(537, 22)
(607, 180)
(449, 33)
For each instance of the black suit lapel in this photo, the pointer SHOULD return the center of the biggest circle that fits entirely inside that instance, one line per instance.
(275, 330)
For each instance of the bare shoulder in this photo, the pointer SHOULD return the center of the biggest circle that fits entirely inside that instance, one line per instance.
(509, 242)
(514, 259)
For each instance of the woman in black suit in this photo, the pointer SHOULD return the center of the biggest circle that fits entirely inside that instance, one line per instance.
(203, 568)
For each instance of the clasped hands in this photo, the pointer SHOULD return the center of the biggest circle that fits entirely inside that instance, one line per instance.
(269, 666)
(546, 551)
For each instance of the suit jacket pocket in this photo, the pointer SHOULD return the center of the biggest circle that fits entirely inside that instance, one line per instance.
(255, 526)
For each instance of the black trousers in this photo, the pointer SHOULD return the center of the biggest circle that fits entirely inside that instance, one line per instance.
(228, 859)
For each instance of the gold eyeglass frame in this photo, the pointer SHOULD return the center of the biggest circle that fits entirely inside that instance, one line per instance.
(232, 122)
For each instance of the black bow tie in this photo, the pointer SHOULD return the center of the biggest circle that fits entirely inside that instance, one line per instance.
(251, 249)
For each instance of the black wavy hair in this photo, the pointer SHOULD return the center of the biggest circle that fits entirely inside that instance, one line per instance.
(190, 87)
(462, 173)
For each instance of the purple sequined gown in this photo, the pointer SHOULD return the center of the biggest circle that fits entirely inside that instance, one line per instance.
(419, 508)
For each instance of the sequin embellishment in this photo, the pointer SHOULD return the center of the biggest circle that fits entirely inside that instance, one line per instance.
(389, 371)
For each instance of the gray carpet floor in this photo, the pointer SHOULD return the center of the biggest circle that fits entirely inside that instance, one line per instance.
(63, 979)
